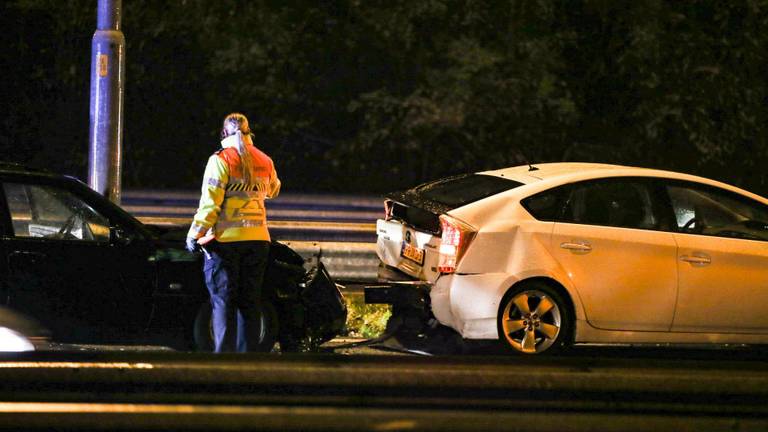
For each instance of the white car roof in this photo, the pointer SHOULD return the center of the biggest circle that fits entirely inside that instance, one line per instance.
(531, 173)
(557, 173)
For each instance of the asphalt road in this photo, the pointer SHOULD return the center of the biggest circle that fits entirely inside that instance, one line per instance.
(595, 389)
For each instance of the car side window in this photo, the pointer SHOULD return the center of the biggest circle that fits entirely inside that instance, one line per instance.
(546, 206)
(615, 203)
(50, 212)
(705, 210)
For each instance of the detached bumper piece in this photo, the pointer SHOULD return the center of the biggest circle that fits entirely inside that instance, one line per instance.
(411, 315)
(397, 293)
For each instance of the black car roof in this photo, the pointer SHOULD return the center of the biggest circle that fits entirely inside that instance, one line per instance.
(17, 167)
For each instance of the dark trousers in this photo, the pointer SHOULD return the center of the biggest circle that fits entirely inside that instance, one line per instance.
(234, 274)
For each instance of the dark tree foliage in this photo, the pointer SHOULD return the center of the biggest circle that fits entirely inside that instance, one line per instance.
(375, 95)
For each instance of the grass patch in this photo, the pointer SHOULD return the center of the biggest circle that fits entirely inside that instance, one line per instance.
(365, 320)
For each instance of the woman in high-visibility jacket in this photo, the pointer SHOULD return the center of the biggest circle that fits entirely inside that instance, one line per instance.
(231, 222)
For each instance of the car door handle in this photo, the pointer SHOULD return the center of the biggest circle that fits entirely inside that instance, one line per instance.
(26, 256)
(576, 247)
(698, 259)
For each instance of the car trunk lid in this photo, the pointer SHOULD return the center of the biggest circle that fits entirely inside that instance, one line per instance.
(409, 237)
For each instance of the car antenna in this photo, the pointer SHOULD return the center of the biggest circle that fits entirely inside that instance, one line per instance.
(526, 160)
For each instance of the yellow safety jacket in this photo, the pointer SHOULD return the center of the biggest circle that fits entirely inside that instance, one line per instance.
(231, 208)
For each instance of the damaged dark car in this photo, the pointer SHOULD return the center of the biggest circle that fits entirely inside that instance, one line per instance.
(92, 273)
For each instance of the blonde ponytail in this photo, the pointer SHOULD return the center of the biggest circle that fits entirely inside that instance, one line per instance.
(246, 162)
(237, 123)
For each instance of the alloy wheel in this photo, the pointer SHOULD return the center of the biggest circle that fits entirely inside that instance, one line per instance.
(531, 321)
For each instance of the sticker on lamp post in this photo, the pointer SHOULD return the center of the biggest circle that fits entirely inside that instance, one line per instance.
(103, 62)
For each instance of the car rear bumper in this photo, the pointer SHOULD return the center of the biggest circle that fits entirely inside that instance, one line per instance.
(469, 303)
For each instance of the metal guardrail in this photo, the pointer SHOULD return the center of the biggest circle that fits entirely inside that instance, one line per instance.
(339, 230)
(344, 260)
(286, 207)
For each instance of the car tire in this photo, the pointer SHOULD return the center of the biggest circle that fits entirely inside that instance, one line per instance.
(203, 331)
(534, 318)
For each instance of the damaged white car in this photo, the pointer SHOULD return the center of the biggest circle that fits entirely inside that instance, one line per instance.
(545, 256)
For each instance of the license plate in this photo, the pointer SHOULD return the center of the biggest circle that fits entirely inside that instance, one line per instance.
(412, 253)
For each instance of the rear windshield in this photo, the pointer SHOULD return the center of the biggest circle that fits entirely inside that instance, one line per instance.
(461, 190)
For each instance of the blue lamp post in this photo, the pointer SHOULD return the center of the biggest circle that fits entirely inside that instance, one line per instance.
(106, 107)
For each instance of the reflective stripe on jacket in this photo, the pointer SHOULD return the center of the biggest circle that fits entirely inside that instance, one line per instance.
(231, 207)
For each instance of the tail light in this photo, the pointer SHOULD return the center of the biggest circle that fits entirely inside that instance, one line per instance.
(455, 240)
(388, 209)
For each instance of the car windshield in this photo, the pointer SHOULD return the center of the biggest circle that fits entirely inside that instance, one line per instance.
(461, 190)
